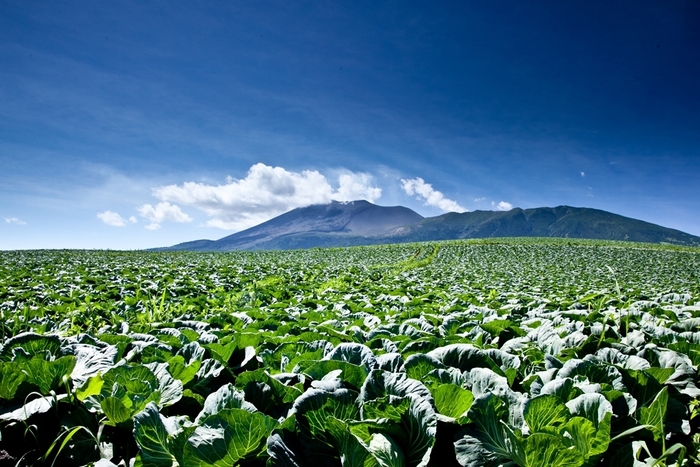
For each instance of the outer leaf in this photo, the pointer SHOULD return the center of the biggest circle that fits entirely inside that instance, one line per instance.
(504, 360)
(182, 371)
(280, 454)
(391, 408)
(484, 381)
(208, 370)
(357, 354)
(267, 393)
(91, 387)
(487, 412)
(683, 377)
(228, 437)
(655, 415)
(133, 386)
(287, 355)
(316, 405)
(192, 352)
(11, 378)
(660, 374)
(448, 375)
(170, 388)
(588, 440)
(419, 423)
(595, 371)
(452, 401)
(386, 451)
(115, 410)
(418, 365)
(692, 350)
(353, 375)
(462, 356)
(36, 406)
(391, 361)
(543, 450)
(152, 437)
(561, 387)
(48, 375)
(244, 357)
(226, 397)
(472, 452)
(311, 410)
(545, 411)
(222, 352)
(380, 383)
(91, 360)
(643, 385)
(497, 326)
(352, 452)
(592, 406)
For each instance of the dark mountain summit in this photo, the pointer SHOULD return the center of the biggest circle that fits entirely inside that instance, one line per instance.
(364, 223)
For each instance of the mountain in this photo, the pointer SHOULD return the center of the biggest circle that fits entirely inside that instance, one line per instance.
(363, 223)
(561, 221)
(334, 224)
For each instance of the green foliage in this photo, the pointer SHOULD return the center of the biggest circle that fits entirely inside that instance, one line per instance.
(492, 352)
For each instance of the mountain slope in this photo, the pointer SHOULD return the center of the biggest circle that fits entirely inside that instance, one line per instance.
(363, 223)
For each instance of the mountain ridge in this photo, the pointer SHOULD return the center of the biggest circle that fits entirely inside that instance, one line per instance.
(363, 223)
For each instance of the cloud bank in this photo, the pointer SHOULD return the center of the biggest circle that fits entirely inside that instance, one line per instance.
(265, 192)
(425, 192)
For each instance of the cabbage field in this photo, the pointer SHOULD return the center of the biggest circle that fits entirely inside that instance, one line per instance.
(512, 352)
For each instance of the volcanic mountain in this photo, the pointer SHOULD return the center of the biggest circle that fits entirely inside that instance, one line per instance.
(333, 224)
(363, 223)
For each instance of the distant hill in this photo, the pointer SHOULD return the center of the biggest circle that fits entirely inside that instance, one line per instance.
(363, 223)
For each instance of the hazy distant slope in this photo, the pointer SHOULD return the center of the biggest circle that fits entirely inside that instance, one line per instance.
(363, 223)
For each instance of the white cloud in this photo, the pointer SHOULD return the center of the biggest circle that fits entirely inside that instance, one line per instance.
(266, 192)
(353, 186)
(14, 220)
(115, 219)
(478, 200)
(111, 218)
(502, 206)
(424, 191)
(163, 211)
(583, 174)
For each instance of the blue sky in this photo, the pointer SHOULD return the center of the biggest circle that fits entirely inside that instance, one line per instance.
(139, 124)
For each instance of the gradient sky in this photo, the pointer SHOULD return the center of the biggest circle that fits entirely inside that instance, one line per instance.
(140, 124)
